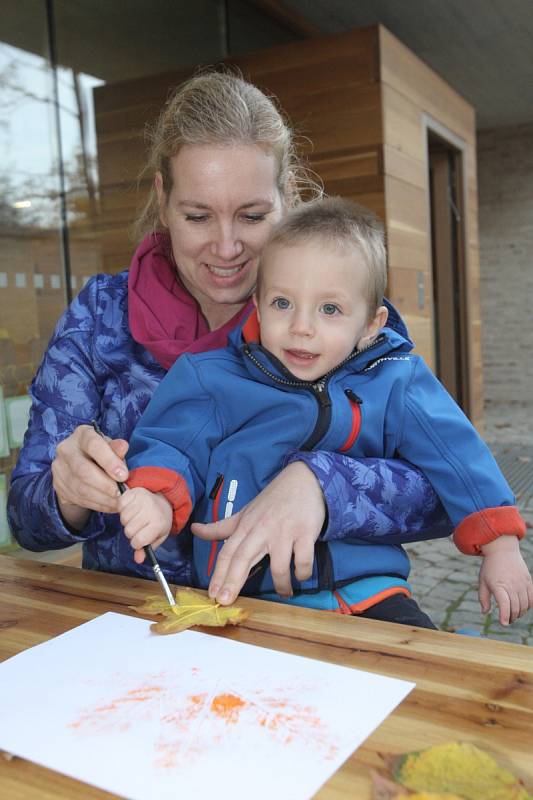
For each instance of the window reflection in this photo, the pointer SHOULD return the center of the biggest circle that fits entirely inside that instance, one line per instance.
(29, 244)
(137, 50)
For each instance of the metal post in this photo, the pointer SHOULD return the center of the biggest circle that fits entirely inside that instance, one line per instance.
(63, 212)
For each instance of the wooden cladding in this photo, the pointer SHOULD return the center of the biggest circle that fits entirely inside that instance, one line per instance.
(361, 105)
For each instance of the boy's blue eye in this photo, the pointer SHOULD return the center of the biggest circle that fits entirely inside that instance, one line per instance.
(254, 217)
(281, 303)
(330, 309)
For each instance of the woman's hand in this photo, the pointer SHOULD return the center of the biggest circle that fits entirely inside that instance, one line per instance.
(285, 519)
(85, 472)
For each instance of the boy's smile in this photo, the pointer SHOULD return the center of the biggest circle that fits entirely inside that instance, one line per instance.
(312, 305)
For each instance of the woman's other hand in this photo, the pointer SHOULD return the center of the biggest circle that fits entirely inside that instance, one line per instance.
(85, 472)
(283, 521)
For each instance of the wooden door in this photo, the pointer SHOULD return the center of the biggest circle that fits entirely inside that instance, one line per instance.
(448, 268)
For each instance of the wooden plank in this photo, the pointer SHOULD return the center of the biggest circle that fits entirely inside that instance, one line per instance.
(355, 162)
(408, 225)
(402, 124)
(421, 332)
(402, 166)
(354, 54)
(403, 285)
(402, 70)
(353, 187)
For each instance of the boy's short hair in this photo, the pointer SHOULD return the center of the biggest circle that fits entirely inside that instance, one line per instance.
(343, 223)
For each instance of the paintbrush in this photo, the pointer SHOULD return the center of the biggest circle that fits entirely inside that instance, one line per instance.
(158, 572)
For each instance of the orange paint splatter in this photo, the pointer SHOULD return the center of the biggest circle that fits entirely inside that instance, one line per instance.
(192, 725)
(101, 716)
(228, 707)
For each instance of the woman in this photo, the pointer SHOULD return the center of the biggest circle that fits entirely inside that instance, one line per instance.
(224, 172)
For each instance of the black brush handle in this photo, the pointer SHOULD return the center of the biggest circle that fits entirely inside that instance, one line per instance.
(148, 547)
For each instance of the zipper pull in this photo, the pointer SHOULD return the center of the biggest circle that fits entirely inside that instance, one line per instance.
(216, 486)
(353, 397)
(321, 393)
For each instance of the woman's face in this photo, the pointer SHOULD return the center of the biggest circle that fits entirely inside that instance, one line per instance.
(222, 206)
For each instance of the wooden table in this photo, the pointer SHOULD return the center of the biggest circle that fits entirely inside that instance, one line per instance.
(466, 688)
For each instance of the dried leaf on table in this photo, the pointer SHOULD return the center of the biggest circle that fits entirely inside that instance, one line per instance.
(385, 789)
(192, 608)
(458, 768)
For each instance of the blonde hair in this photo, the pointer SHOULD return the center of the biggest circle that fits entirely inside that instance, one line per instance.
(342, 223)
(221, 108)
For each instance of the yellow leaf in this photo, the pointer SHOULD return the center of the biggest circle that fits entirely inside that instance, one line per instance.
(385, 789)
(458, 768)
(191, 609)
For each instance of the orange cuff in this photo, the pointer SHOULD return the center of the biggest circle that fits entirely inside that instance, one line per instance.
(168, 483)
(484, 526)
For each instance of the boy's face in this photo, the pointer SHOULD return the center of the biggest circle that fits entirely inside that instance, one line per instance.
(312, 307)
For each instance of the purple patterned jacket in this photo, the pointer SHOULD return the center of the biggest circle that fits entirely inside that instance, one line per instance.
(93, 369)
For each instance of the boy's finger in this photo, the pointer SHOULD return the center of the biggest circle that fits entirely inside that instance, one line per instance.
(484, 597)
(504, 604)
(515, 606)
(524, 602)
(139, 556)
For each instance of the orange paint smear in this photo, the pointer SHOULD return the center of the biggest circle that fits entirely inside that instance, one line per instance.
(183, 736)
(228, 707)
(97, 716)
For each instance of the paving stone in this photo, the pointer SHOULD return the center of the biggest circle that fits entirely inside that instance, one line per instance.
(470, 607)
(514, 638)
(447, 592)
(463, 577)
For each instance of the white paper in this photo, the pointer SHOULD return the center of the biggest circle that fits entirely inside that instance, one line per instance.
(187, 715)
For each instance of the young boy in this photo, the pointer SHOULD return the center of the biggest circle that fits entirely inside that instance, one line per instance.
(317, 367)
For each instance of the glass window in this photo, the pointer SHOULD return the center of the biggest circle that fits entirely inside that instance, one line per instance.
(30, 252)
(71, 148)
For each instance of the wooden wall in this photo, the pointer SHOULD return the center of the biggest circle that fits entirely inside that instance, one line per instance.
(360, 98)
(413, 97)
(331, 94)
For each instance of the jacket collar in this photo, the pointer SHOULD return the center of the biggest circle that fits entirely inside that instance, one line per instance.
(246, 339)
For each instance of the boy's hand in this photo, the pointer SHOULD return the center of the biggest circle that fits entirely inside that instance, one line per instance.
(146, 517)
(505, 575)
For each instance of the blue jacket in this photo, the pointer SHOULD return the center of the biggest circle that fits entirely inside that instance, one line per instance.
(221, 424)
(93, 369)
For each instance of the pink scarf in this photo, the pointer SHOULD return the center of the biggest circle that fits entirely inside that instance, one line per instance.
(163, 316)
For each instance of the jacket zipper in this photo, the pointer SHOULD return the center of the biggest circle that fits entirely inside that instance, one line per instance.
(355, 405)
(319, 389)
(214, 495)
